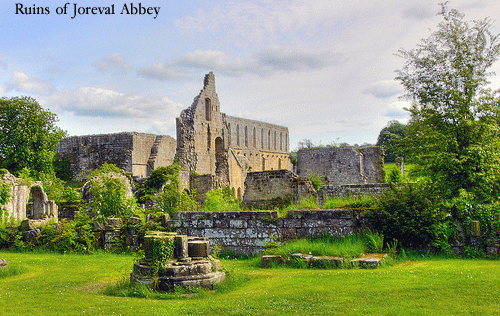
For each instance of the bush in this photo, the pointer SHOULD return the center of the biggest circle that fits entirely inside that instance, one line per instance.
(69, 236)
(221, 200)
(410, 214)
(109, 194)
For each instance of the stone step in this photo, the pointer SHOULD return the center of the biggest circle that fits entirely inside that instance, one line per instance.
(370, 259)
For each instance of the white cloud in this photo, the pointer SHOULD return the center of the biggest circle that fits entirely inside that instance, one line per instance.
(21, 82)
(214, 60)
(291, 58)
(159, 71)
(396, 110)
(114, 61)
(264, 62)
(384, 89)
(99, 102)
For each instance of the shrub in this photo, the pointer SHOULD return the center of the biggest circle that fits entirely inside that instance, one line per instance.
(410, 214)
(109, 194)
(221, 200)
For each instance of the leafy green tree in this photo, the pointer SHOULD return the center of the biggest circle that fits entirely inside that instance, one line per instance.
(390, 138)
(28, 135)
(109, 193)
(453, 132)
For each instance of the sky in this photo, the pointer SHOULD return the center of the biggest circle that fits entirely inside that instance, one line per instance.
(323, 68)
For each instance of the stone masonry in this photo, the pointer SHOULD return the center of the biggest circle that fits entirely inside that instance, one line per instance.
(210, 142)
(264, 188)
(249, 232)
(136, 153)
(19, 207)
(342, 165)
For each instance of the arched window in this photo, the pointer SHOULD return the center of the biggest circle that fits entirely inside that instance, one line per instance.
(229, 134)
(262, 138)
(237, 135)
(274, 140)
(269, 140)
(246, 136)
(209, 140)
(208, 109)
(281, 142)
(254, 138)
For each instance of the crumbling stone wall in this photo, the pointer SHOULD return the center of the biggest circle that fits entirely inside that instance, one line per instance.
(18, 206)
(343, 165)
(248, 232)
(137, 153)
(210, 142)
(265, 189)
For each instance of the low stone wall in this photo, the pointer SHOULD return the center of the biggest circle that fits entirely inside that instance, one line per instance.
(248, 232)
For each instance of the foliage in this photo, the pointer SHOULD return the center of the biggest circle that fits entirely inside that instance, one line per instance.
(162, 176)
(109, 194)
(410, 214)
(349, 202)
(162, 250)
(390, 138)
(28, 135)
(317, 182)
(221, 200)
(62, 168)
(453, 132)
(395, 176)
(69, 236)
(305, 203)
(5, 193)
(170, 199)
(350, 246)
(465, 208)
(374, 242)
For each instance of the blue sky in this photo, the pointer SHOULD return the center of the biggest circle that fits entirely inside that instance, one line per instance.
(323, 68)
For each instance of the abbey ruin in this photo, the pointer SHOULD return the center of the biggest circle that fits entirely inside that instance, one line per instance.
(215, 150)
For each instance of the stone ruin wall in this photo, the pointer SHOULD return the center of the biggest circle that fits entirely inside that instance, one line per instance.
(17, 207)
(210, 142)
(264, 188)
(248, 232)
(343, 165)
(136, 153)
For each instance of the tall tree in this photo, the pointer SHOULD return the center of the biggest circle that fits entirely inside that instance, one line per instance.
(390, 138)
(453, 134)
(28, 135)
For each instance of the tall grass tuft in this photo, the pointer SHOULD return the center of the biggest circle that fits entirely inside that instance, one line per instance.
(347, 247)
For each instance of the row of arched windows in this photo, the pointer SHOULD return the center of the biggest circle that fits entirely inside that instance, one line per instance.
(269, 140)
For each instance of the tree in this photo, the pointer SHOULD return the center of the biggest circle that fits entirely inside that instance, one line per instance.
(28, 135)
(390, 138)
(453, 132)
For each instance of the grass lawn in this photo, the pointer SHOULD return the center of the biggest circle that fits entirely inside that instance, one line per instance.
(54, 284)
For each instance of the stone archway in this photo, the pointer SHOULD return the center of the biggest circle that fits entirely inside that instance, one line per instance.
(37, 209)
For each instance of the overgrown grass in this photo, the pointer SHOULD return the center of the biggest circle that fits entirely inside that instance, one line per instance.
(12, 270)
(57, 284)
(347, 247)
(349, 202)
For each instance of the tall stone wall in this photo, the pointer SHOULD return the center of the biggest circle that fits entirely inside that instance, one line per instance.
(263, 189)
(210, 142)
(343, 165)
(137, 153)
(248, 232)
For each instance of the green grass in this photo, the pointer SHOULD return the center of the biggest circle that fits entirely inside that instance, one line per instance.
(56, 284)
(348, 247)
